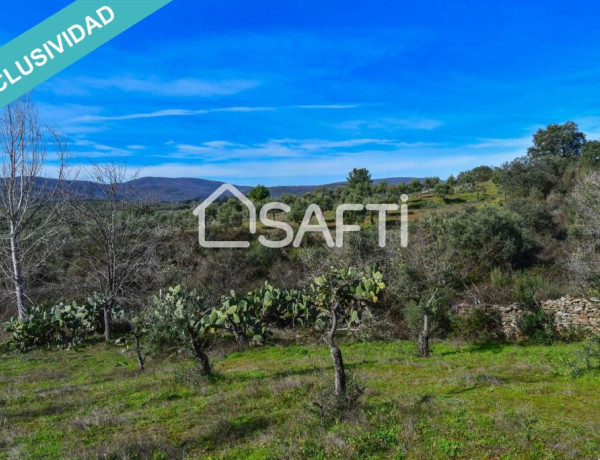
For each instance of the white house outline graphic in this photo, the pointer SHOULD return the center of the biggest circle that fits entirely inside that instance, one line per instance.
(200, 211)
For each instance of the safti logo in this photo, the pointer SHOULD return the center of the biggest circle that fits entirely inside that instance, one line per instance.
(312, 212)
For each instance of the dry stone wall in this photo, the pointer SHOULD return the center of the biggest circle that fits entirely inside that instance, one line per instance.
(568, 312)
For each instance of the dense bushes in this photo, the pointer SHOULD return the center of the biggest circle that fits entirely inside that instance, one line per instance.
(488, 238)
(479, 324)
(585, 359)
(62, 325)
(537, 325)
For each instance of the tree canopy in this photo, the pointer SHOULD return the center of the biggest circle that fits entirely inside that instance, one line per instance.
(557, 140)
(259, 193)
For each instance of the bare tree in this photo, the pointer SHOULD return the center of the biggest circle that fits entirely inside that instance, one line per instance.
(120, 249)
(28, 203)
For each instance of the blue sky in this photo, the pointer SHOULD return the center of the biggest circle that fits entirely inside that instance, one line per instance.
(300, 92)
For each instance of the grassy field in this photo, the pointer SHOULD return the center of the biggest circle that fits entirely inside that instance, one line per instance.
(496, 401)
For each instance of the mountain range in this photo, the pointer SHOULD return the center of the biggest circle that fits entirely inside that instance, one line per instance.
(163, 189)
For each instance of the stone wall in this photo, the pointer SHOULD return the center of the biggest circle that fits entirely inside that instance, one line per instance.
(568, 312)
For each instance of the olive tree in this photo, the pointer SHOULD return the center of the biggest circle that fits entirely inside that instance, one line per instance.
(423, 274)
(442, 190)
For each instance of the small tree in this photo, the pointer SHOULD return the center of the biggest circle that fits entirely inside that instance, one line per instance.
(423, 275)
(243, 316)
(181, 319)
(443, 190)
(259, 193)
(360, 182)
(591, 153)
(138, 328)
(415, 186)
(431, 182)
(341, 295)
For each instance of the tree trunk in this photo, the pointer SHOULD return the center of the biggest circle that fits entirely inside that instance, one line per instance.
(18, 275)
(138, 352)
(241, 340)
(107, 312)
(240, 335)
(336, 356)
(204, 363)
(424, 336)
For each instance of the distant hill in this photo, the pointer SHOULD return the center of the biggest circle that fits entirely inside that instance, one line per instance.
(164, 189)
(279, 190)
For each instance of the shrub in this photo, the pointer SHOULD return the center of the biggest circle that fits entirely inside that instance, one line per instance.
(479, 324)
(535, 214)
(585, 359)
(537, 325)
(261, 259)
(483, 239)
(572, 334)
(187, 373)
(373, 327)
(331, 407)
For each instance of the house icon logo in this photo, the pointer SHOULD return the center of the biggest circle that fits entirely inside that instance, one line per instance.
(200, 211)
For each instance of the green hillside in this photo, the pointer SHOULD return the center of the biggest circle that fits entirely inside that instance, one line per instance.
(492, 401)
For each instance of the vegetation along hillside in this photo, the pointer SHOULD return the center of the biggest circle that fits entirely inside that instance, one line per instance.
(122, 338)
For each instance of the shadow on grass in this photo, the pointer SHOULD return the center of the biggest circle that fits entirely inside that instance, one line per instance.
(232, 431)
(454, 200)
(493, 347)
(51, 409)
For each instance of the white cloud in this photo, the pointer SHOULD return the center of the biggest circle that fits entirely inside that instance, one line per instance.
(289, 161)
(274, 148)
(389, 124)
(86, 148)
(517, 142)
(326, 106)
(189, 113)
(187, 87)
(323, 144)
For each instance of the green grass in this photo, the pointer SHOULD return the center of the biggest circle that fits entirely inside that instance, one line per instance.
(496, 401)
